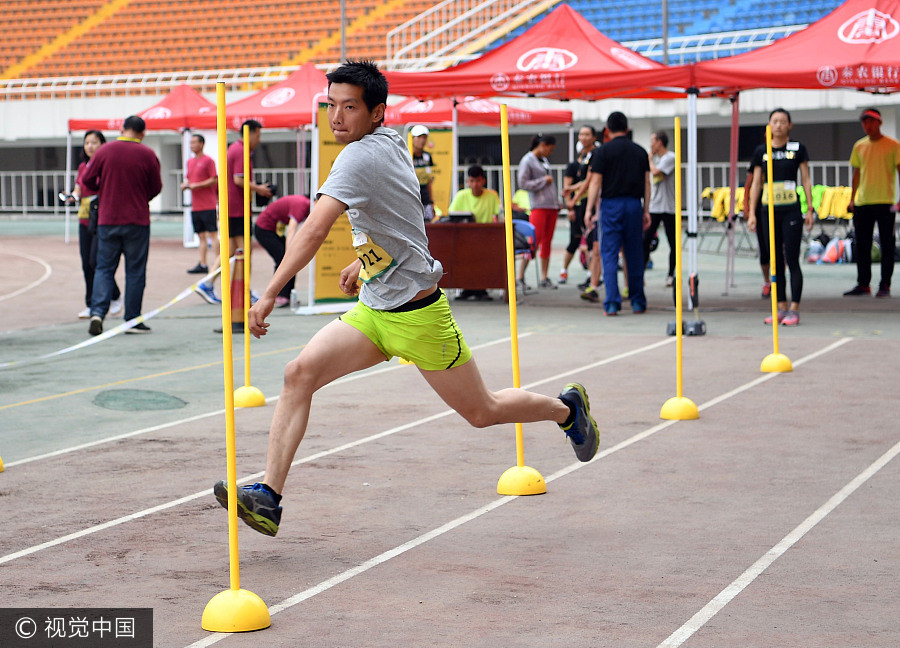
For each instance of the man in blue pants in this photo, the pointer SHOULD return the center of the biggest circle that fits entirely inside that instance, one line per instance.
(620, 175)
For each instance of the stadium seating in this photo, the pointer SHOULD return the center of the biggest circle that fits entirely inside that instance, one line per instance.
(627, 20)
(160, 36)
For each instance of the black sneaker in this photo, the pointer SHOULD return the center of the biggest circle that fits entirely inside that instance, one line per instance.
(199, 269)
(582, 432)
(139, 328)
(96, 325)
(857, 291)
(256, 506)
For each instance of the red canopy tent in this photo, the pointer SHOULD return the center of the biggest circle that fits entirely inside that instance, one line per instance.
(182, 108)
(286, 104)
(563, 57)
(855, 46)
(471, 111)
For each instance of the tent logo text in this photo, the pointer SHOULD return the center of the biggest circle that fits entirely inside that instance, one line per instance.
(869, 26)
(546, 59)
(160, 112)
(629, 58)
(277, 97)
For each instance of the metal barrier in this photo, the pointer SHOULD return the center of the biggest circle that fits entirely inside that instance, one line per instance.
(29, 192)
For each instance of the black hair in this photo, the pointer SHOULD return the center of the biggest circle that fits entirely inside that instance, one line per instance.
(252, 125)
(476, 171)
(781, 110)
(590, 128)
(542, 138)
(199, 137)
(662, 138)
(100, 136)
(134, 123)
(617, 122)
(365, 75)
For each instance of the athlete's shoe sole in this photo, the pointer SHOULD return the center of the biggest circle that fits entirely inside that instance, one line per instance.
(250, 509)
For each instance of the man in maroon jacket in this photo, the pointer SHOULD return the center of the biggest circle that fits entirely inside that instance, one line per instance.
(127, 177)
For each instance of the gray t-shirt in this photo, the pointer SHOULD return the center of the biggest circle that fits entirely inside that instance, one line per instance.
(662, 190)
(531, 176)
(374, 177)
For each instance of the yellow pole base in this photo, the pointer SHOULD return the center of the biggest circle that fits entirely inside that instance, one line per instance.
(247, 396)
(776, 363)
(1, 465)
(235, 611)
(521, 480)
(679, 409)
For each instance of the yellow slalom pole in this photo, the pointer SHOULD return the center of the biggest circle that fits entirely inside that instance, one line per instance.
(678, 408)
(1, 465)
(247, 396)
(775, 362)
(235, 609)
(520, 479)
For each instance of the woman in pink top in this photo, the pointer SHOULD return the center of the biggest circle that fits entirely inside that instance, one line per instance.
(87, 239)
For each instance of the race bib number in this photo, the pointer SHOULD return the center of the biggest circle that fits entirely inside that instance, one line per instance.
(375, 260)
(785, 193)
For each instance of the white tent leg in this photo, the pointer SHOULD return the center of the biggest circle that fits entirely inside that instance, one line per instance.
(68, 183)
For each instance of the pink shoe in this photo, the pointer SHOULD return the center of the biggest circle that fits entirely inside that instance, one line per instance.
(281, 302)
(781, 316)
(791, 319)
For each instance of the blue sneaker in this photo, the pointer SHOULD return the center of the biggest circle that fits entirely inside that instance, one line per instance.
(206, 291)
(256, 506)
(582, 432)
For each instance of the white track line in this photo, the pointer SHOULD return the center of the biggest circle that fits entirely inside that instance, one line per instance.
(324, 453)
(446, 528)
(47, 272)
(753, 572)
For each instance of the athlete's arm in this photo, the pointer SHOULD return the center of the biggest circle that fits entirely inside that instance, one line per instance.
(299, 252)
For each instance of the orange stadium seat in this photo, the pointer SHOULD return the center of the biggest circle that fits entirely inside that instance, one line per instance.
(148, 36)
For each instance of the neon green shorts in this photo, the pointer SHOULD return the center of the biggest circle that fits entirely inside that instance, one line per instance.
(427, 336)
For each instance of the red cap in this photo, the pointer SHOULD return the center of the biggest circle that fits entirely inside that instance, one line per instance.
(869, 113)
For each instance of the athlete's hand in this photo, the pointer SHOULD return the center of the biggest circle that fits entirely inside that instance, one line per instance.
(349, 277)
(256, 316)
(751, 222)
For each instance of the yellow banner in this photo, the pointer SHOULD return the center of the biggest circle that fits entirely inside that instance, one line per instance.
(440, 146)
(337, 250)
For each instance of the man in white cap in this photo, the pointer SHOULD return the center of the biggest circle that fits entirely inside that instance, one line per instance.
(423, 163)
(875, 161)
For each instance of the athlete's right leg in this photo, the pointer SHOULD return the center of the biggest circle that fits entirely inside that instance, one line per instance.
(336, 350)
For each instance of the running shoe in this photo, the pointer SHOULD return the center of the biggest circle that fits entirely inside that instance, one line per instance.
(611, 310)
(582, 432)
(85, 314)
(563, 276)
(670, 281)
(256, 506)
(199, 269)
(781, 315)
(766, 291)
(524, 287)
(857, 291)
(116, 306)
(546, 283)
(883, 293)
(792, 318)
(96, 325)
(282, 302)
(590, 294)
(584, 284)
(140, 327)
(206, 291)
